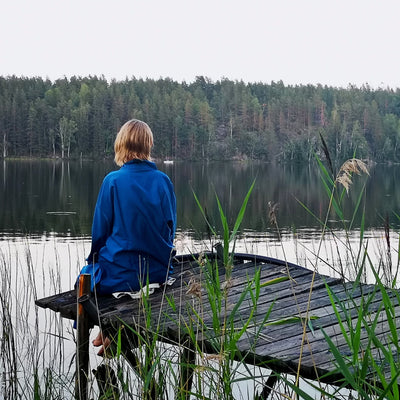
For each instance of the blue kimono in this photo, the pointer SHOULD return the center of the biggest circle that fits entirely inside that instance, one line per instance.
(133, 229)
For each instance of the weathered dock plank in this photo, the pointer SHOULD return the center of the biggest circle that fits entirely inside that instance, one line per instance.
(298, 296)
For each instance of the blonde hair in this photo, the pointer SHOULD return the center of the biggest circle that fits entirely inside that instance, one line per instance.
(134, 140)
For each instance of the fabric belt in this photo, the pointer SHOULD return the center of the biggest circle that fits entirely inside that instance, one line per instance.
(144, 291)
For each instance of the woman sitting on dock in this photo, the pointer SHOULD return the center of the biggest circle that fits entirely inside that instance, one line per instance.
(134, 220)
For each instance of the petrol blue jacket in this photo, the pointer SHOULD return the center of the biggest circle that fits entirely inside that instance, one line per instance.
(133, 228)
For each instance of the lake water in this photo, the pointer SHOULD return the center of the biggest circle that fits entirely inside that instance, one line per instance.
(51, 203)
(46, 209)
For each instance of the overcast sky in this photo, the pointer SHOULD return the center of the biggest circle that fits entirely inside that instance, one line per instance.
(335, 43)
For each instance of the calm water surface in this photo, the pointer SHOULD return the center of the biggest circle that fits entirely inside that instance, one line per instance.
(51, 203)
(57, 198)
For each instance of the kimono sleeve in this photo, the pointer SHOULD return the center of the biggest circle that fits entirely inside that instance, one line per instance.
(102, 219)
(169, 209)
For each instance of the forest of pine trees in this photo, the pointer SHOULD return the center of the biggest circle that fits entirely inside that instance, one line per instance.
(202, 120)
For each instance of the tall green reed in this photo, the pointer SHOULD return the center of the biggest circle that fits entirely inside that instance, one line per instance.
(372, 370)
(32, 363)
(223, 365)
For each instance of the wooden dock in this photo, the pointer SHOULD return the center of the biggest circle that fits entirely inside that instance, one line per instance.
(284, 331)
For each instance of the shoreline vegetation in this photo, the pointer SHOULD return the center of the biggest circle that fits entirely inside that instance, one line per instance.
(202, 120)
(39, 371)
(168, 161)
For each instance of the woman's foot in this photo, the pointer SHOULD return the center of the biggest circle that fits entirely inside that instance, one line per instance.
(104, 342)
(99, 340)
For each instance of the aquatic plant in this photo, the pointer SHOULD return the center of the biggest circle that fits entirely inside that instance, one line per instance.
(32, 353)
(371, 371)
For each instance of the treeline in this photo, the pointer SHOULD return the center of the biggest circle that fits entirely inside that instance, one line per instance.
(79, 117)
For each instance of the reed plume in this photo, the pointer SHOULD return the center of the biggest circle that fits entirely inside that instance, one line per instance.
(350, 167)
(272, 210)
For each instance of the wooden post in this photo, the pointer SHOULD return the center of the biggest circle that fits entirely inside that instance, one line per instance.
(188, 360)
(82, 340)
(268, 386)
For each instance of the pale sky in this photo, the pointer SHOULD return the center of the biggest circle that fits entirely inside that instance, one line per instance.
(336, 43)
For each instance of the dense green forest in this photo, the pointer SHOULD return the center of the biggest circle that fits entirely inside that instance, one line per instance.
(79, 117)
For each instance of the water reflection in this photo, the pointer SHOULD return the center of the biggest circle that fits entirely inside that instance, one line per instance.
(43, 197)
(33, 190)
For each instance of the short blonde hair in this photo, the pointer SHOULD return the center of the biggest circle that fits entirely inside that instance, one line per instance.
(134, 140)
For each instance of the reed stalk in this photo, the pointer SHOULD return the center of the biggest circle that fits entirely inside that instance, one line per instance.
(365, 372)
